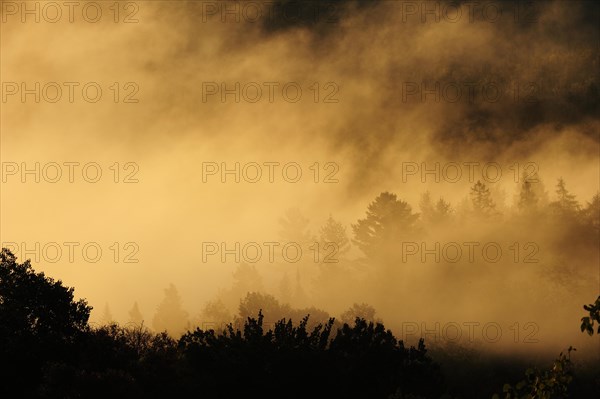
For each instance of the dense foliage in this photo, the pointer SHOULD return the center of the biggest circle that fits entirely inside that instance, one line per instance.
(48, 350)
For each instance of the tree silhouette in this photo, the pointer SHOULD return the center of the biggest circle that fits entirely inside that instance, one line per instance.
(293, 359)
(334, 232)
(528, 199)
(553, 383)
(443, 210)
(170, 315)
(591, 213)
(39, 321)
(426, 207)
(48, 350)
(135, 316)
(388, 219)
(270, 307)
(332, 270)
(367, 351)
(32, 304)
(565, 204)
(361, 311)
(483, 205)
(433, 214)
(273, 310)
(215, 313)
(588, 322)
(246, 279)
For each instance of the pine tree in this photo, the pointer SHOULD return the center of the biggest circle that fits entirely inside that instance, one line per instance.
(528, 199)
(592, 213)
(483, 204)
(566, 204)
(246, 279)
(431, 213)
(388, 219)
(170, 315)
(443, 210)
(333, 233)
(426, 207)
(135, 316)
(215, 315)
(362, 311)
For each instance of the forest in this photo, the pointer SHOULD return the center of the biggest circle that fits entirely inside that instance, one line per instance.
(281, 345)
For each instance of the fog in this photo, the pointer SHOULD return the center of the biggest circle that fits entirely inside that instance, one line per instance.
(528, 103)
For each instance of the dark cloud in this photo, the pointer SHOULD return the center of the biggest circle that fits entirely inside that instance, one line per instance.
(320, 16)
(538, 71)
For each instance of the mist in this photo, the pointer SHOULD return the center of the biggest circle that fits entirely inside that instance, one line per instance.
(206, 139)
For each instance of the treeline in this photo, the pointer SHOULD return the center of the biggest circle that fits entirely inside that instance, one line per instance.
(50, 351)
(552, 238)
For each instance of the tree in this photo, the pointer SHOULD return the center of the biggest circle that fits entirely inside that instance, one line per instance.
(388, 219)
(433, 214)
(33, 304)
(366, 351)
(528, 199)
(591, 213)
(483, 205)
(553, 383)
(294, 228)
(362, 311)
(270, 307)
(39, 323)
(332, 270)
(565, 204)
(135, 316)
(216, 314)
(292, 360)
(316, 315)
(426, 207)
(333, 233)
(170, 315)
(246, 279)
(587, 322)
(443, 210)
